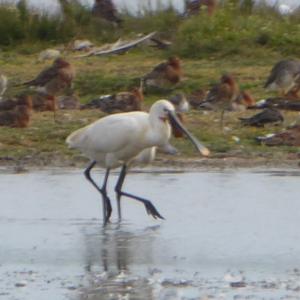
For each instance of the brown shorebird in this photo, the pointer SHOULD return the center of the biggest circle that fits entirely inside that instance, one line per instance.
(120, 102)
(221, 95)
(17, 117)
(55, 79)
(10, 104)
(165, 74)
(288, 137)
(243, 101)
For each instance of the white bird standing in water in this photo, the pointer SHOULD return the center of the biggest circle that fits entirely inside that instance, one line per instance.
(124, 139)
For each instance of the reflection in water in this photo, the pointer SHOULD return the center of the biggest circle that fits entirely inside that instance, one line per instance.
(109, 256)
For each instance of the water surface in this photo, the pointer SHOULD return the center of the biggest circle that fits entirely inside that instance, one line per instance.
(227, 235)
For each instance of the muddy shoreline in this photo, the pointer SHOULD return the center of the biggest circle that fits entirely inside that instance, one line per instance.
(292, 161)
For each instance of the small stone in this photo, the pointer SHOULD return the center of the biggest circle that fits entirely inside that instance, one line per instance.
(238, 284)
(22, 283)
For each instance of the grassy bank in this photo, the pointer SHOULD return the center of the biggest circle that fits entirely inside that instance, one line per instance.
(245, 41)
(43, 142)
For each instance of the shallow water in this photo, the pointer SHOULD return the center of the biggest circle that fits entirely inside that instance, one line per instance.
(227, 235)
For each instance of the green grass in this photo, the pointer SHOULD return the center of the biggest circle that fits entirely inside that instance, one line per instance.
(245, 42)
(43, 143)
(234, 30)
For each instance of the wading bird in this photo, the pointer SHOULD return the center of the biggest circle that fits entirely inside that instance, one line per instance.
(124, 139)
(55, 79)
(285, 78)
(221, 95)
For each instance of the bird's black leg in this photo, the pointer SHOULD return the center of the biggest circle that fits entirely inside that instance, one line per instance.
(106, 202)
(118, 189)
(108, 206)
(150, 208)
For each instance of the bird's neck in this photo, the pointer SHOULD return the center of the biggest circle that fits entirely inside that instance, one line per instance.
(160, 131)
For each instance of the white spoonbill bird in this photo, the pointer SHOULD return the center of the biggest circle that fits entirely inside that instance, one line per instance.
(124, 139)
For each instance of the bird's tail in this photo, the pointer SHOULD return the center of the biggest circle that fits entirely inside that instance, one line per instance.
(23, 83)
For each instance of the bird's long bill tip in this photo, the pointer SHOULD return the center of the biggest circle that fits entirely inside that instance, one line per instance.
(205, 152)
(200, 147)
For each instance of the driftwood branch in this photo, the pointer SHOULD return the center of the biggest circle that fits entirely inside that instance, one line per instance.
(118, 47)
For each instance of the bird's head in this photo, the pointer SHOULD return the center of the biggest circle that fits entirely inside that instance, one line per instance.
(228, 79)
(164, 111)
(174, 61)
(60, 63)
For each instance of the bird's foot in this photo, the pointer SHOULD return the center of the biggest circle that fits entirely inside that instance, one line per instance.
(151, 210)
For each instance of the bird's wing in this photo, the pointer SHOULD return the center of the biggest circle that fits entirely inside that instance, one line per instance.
(157, 71)
(111, 133)
(219, 93)
(44, 77)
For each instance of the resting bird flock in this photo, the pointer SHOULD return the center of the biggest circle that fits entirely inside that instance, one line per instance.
(120, 140)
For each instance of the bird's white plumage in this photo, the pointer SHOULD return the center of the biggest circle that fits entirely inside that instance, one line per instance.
(119, 138)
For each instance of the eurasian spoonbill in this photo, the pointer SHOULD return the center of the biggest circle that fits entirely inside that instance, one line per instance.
(124, 139)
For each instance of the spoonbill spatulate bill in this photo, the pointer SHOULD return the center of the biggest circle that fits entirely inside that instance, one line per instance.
(124, 139)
